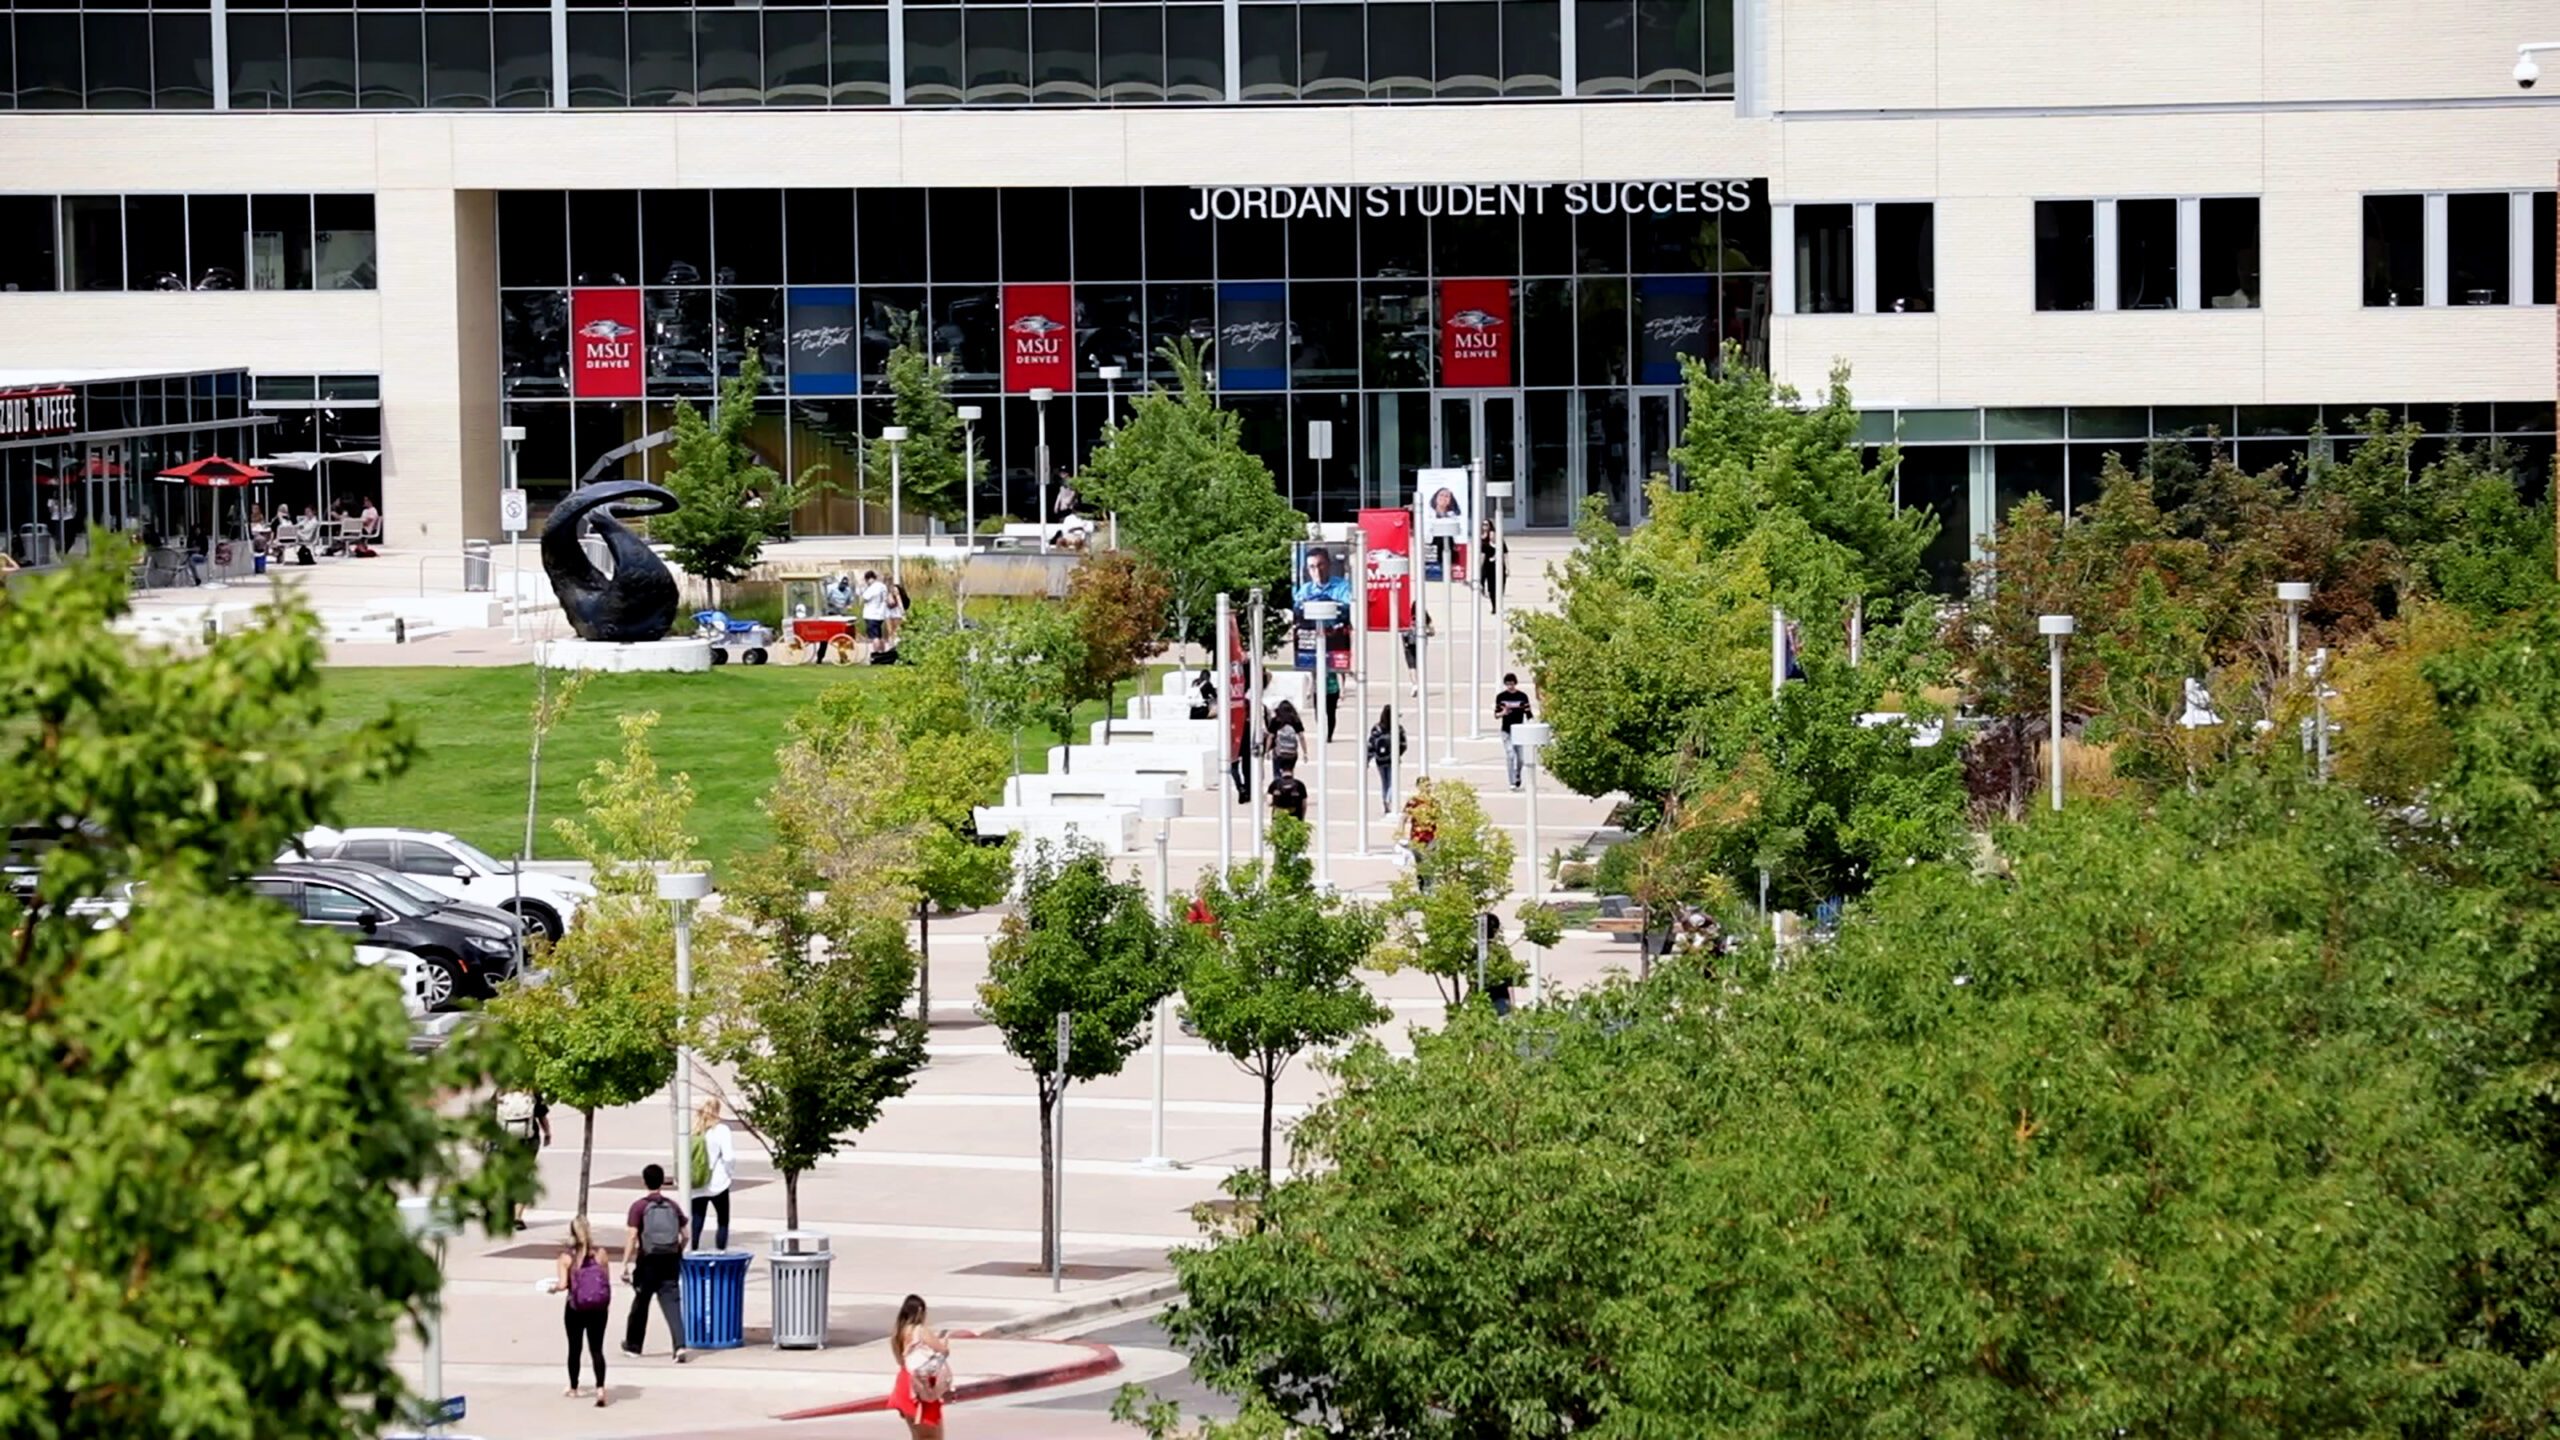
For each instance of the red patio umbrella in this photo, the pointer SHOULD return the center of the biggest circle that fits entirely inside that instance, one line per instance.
(216, 471)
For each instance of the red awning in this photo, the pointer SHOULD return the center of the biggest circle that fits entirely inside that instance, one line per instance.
(99, 467)
(214, 470)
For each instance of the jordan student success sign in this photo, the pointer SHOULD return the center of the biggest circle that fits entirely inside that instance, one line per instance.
(1580, 197)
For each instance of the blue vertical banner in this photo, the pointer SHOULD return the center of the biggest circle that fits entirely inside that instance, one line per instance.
(1675, 316)
(1253, 336)
(824, 340)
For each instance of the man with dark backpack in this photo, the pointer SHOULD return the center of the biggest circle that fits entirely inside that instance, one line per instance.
(656, 1237)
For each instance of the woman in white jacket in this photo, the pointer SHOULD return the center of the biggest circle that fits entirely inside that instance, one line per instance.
(715, 1153)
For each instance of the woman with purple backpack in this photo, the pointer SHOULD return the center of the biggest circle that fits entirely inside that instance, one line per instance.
(586, 1278)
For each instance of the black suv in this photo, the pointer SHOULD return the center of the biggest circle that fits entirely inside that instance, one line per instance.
(466, 955)
(442, 907)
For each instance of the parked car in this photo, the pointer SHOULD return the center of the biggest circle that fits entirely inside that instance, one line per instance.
(433, 902)
(417, 978)
(466, 954)
(461, 870)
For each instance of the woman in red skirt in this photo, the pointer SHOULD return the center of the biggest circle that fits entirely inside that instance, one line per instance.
(924, 1371)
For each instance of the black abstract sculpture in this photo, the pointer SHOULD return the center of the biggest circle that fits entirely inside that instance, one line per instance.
(638, 601)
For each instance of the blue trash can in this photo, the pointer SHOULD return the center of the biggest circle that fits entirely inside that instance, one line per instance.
(715, 1299)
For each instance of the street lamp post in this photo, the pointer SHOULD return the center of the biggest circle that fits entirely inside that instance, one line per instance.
(2054, 628)
(1222, 780)
(1392, 568)
(1254, 729)
(682, 889)
(419, 1217)
(1495, 492)
(969, 487)
(1421, 641)
(894, 436)
(1322, 613)
(514, 436)
(1040, 399)
(1531, 736)
(1110, 393)
(2320, 709)
(1162, 809)
(2295, 594)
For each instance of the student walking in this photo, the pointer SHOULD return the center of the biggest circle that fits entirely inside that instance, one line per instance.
(1285, 736)
(1510, 707)
(875, 609)
(585, 1282)
(714, 1152)
(1332, 700)
(1386, 742)
(1288, 795)
(653, 1264)
(1493, 563)
(924, 1371)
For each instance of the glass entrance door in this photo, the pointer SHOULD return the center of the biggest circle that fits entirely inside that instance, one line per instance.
(1660, 415)
(1468, 424)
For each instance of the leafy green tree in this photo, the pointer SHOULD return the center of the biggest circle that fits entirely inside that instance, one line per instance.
(1278, 973)
(208, 1110)
(1086, 945)
(1118, 598)
(1191, 498)
(932, 465)
(1434, 907)
(729, 502)
(603, 1031)
(1022, 662)
(2160, 1129)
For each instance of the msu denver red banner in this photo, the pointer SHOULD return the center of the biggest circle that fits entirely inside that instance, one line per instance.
(604, 339)
(1475, 332)
(1039, 337)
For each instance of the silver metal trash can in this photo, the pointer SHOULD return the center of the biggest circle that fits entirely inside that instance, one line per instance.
(800, 1264)
(475, 566)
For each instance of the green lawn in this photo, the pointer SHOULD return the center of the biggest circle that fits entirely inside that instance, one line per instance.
(719, 728)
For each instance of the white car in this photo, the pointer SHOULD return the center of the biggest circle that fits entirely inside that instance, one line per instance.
(459, 870)
(415, 976)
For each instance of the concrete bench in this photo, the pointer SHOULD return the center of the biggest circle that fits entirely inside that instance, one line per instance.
(1173, 730)
(1193, 764)
(1111, 828)
(1089, 787)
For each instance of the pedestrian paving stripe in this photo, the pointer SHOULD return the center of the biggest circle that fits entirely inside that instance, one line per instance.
(1250, 1108)
(1019, 1164)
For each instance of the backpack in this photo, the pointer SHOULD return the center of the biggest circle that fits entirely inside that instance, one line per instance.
(661, 1227)
(700, 1160)
(515, 1113)
(1284, 744)
(302, 555)
(928, 1373)
(590, 1284)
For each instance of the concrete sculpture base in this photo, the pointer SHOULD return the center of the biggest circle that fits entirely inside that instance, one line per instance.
(673, 653)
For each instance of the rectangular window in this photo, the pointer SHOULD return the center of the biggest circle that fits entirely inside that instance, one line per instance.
(2146, 254)
(522, 44)
(218, 241)
(2066, 255)
(1064, 70)
(1906, 259)
(933, 57)
(1466, 48)
(1825, 249)
(256, 60)
(280, 242)
(795, 57)
(997, 43)
(1604, 47)
(458, 60)
(324, 61)
(27, 243)
(1195, 52)
(2543, 257)
(49, 61)
(1133, 54)
(1267, 42)
(391, 66)
(2395, 250)
(1399, 51)
(155, 242)
(2477, 236)
(92, 242)
(728, 57)
(1532, 47)
(2227, 237)
(181, 61)
(118, 48)
(342, 242)
(1332, 53)
(860, 40)
(661, 57)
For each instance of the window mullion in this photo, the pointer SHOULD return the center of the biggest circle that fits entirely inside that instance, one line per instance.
(1862, 258)
(2106, 254)
(2439, 254)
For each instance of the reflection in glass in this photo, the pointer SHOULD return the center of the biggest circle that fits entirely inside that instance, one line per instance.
(1195, 53)
(1178, 312)
(1532, 48)
(964, 233)
(933, 57)
(534, 342)
(891, 226)
(28, 241)
(729, 57)
(604, 237)
(998, 49)
(1132, 54)
(181, 61)
(391, 66)
(1106, 235)
(675, 236)
(1399, 51)
(1332, 52)
(1267, 39)
(680, 341)
(661, 57)
(1394, 245)
(155, 242)
(967, 321)
(1178, 247)
(1670, 47)
(1063, 67)
(598, 75)
(324, 61)
(1396, 334)
(749, 318)
(1604, 47)
(119, 56)
(748, 236)
(1467, 49)
(1546, 332)
(280, 242)
(458, 68)
(218, 241)
(342, 242)
(522, 44)
(890, 315)
(1600, 313)
(49, 62)
(860, 40)
(1324, 319)
(1111, 329)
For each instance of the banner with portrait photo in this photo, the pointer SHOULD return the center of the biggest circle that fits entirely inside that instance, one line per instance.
(1321, 571)
(1386, 535)
(1440, 498)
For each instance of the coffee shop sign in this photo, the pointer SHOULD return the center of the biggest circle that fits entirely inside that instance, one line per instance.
(1581, 197)
(38, 412)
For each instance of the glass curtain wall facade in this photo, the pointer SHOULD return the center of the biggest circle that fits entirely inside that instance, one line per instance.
(482, 54)
(1335, 315)
(86, 454)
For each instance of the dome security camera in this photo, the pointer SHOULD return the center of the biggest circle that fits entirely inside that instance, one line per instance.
(2527, 72)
